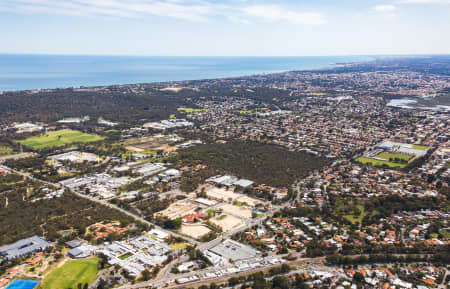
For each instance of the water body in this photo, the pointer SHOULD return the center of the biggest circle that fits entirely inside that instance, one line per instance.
(21, 72)
(408, 103)
(402, 103)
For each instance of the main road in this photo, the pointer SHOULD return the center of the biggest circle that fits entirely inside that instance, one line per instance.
(201, 246)
(104, 203)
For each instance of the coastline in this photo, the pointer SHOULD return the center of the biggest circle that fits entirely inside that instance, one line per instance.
(176, 70)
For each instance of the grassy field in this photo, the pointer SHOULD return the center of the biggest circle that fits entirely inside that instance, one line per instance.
(125, 256)
(191, 110)
(179, 246)
(387, 156)
(419, 147)
(72, 273)
(5, 151)
(379, 163)
(59, 138)
(444, 233)
(354, 219)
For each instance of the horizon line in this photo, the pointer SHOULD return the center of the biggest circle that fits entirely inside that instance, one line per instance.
(230, 56)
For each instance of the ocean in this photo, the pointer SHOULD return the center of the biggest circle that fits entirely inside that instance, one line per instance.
(23, 72)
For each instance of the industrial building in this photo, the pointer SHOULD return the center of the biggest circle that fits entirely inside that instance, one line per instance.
(23, 247)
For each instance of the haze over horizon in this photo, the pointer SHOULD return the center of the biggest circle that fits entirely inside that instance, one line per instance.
(224, 28)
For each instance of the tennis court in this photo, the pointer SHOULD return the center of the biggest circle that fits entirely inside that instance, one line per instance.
(23, 284)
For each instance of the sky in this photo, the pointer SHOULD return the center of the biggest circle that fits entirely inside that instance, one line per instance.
(225, 28)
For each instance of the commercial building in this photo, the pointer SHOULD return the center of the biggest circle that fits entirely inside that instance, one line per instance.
(23, 247)
(235, 251)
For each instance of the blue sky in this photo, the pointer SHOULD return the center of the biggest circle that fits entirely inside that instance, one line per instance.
(225, 28)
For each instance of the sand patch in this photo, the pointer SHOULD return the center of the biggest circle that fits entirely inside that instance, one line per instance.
(236, 211)
(227, 222)
(194, 230)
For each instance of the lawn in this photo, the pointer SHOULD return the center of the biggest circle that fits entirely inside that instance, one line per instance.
(379, 163)
(354, 219)
(5, 151)
(191, 110)
(125, 256)
(179, 246)
(419, 147)
(444, 233)
(71, 273)
(59, 138)
(387, 156)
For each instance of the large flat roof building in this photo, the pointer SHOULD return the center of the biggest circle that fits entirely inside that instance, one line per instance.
(23, 247)
(235, 251)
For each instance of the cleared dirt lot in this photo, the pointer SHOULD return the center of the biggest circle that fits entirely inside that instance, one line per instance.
(227, 222)
(250, 201)
(178, 209)
(227, 195)
(237, 211)
(221, 193)
(194, 230)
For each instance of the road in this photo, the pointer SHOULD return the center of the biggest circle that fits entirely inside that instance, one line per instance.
(166, 276)
(443, 285)
(171, 281)
(200, 246)
(17, 157)
(105, 203)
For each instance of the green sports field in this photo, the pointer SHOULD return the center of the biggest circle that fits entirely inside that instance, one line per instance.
(387, 156)
(59, 138)
(71, 273)
(419, 147)
(191, 110)
(379, 163)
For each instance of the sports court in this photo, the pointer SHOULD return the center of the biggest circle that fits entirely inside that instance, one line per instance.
(23, 284)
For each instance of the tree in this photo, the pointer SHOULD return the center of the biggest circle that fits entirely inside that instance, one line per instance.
(280, 282)
(102, 284)
(146, 275)
(358, 277)
(173, 224)
(233, 281)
